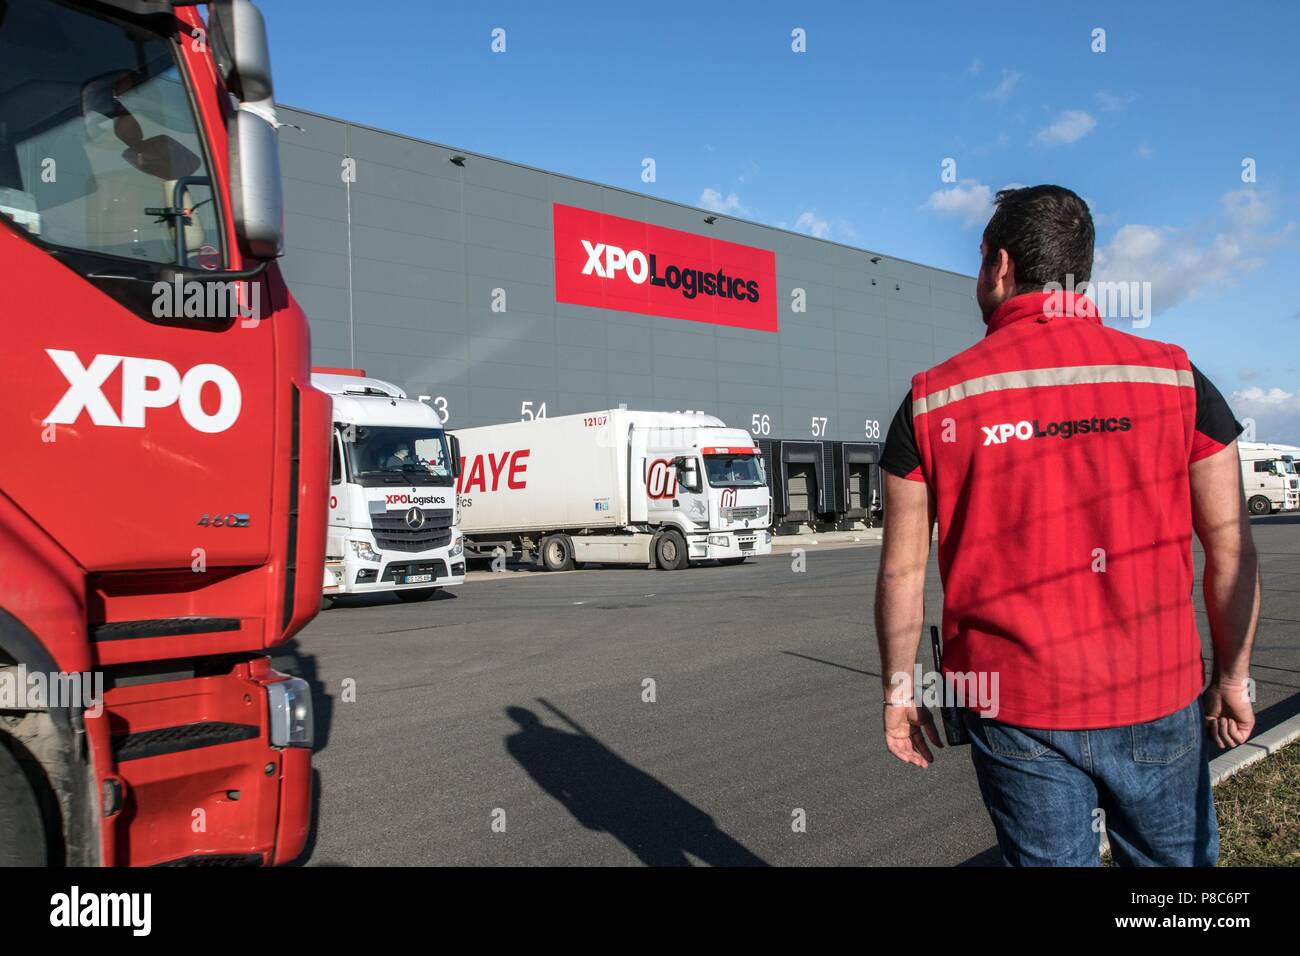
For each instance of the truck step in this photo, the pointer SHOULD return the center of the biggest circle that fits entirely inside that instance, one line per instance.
(170, 740)
(162, 627)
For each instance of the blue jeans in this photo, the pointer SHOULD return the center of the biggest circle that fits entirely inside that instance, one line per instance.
(1150, 782)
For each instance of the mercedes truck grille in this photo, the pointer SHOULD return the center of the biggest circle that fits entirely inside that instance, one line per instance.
(393, 532)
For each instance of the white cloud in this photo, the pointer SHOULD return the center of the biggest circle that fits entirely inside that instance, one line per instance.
(1000, 93)
(971, 200)
(1114, 102)
(714, 201)
(1275, 412)
(1181, 263)
(809, 223)
(1069, 127)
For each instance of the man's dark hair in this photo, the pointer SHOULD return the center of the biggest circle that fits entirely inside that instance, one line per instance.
(1047, 231)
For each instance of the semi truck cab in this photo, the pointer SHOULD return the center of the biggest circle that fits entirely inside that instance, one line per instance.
(708, 481)
(162, 491)
(393, 515)
(1268, 477)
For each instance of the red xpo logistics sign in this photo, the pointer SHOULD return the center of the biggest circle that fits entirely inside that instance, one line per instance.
(612, 263)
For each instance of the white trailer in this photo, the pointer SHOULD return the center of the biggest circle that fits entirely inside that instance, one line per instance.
(1268, 476)
(393, 517)
(614, 487)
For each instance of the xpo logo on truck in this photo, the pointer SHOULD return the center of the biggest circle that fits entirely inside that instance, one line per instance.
(608, 262)
(146, 384)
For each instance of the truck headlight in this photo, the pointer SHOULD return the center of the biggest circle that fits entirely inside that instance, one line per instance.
(457, 547)
(290, 718)
(364, 551)
(721, 540)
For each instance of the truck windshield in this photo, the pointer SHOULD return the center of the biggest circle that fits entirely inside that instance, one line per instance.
(99, 149)
(734, 471)
(379, 454)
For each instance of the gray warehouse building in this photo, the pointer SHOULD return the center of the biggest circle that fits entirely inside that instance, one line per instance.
(500, 291)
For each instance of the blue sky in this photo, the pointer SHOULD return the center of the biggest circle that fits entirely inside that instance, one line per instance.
(848, 139)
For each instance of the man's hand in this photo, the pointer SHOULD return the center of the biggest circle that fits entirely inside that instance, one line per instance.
(1229, 717)
(903, 736)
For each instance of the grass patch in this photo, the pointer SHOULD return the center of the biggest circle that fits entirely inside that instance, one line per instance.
(1259, 812)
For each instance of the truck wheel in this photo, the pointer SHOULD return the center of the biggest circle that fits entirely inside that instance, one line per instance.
(326, 602)
(22, 831)
(670, 551)
(1259, 505)
(419, 594)
(557, 553)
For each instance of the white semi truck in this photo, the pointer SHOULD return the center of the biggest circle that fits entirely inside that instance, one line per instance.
(392, 507)
(1268, 475)
(614, 487)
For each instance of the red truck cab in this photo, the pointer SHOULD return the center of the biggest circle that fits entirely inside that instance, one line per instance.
(163, 478)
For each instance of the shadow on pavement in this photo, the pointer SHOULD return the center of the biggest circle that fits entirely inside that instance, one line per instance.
(818, 660)
(607, 794)
(990, 857)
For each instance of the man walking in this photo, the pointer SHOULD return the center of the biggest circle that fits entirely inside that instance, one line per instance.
(1067, 465)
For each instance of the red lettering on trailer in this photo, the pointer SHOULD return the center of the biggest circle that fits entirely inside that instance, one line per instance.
(517, 468)
(496, 464)
(513, 464)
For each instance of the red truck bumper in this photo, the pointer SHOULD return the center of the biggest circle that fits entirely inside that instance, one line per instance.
(203, 780)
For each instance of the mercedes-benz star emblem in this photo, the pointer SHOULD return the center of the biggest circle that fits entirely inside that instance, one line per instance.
(415, 519)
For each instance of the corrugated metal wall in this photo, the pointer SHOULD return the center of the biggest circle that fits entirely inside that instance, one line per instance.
(397, 270)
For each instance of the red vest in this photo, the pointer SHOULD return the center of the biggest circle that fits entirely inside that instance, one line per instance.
(1057, 450)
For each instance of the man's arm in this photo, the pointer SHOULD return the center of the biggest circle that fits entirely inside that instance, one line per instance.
(1231, 589)
(900, 616)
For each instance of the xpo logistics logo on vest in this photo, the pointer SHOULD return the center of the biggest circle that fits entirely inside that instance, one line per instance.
(607, 262)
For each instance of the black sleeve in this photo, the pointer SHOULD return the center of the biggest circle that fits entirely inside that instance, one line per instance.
(1214, 419)
(901, 456)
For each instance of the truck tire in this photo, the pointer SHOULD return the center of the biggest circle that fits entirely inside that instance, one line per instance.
(557, 553)
(670, 551)
(1259, 505)
(22, 831)
(419, 594)
(326, 602)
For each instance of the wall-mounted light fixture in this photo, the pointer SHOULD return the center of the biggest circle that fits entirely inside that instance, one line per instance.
(458, 160)
(710, 219)
(875, 259)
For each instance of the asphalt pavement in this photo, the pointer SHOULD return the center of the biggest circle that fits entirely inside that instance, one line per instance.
(717, 715)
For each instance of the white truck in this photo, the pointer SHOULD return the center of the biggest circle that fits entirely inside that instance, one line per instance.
(392, 506)
(1268, 474)
(614, 487)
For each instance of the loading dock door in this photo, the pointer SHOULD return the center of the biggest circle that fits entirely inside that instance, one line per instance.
(857, 478)
(799, 480)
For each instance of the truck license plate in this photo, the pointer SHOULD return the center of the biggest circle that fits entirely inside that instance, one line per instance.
(746, 546)
(417, 579)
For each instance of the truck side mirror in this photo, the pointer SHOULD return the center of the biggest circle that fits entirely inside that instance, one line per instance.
(255, 188)
(240, 48)
(688, 473)
(454, 442)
